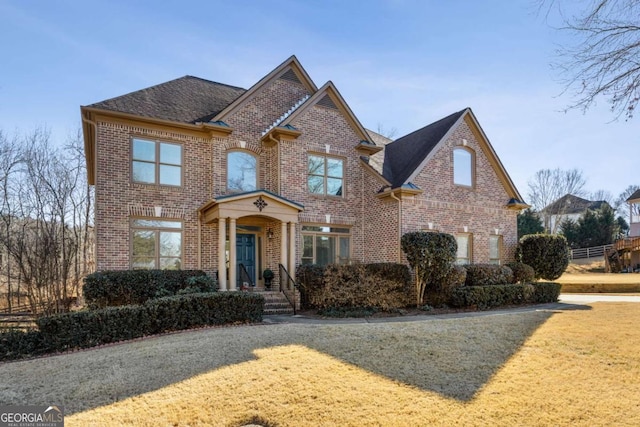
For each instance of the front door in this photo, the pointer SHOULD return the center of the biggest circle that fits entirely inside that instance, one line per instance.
(246, 255)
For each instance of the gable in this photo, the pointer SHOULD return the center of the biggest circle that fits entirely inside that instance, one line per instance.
(406, 155)
(290, 71)
(409, 156)
(329, 98)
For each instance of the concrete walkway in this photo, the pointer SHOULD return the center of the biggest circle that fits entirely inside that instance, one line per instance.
(565, 302)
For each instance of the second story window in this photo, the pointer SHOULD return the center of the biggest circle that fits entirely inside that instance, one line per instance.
(155, 162)
(325, 175)
(463, 167)
(242, 169)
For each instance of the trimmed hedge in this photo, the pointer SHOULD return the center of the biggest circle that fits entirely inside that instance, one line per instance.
(16, 344)
(485, 297)
(548, 254)
(488, 275)
(382, 286)
(522, 273)
(442, 294)
(125, 287)
(90, 328)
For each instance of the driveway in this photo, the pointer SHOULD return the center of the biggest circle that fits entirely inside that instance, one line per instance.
(589, 298)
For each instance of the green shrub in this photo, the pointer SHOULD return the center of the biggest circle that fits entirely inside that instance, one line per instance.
(17, 344)
(430, 255)
(522, 273)
(488, 275)
(114, 288)
(441, 295)
(545, 292)
(485, 297)
(547, 254)
(89, 328)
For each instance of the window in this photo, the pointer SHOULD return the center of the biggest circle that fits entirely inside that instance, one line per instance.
(325, 175)
(495, 249)
(462, 167)
(241, 171)
(156, 244)
(156, 162)
(464, 254)
(324, 245)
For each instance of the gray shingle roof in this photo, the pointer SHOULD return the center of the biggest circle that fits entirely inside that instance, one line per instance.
(634, 196)
(404, 155)
(187, 99)
(570, 204)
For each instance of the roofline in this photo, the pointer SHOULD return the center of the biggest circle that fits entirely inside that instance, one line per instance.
(330, 89)
(91, 114)
(495, 155)
(292, 61)
(429, 156)
(377, 174)
(494, 159)
(247, 194)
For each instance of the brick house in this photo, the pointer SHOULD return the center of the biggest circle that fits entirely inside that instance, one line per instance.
(195, 174)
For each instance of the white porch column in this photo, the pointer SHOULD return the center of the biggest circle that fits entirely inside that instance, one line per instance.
(292, 249)
(232, 255)
(283, 248)
(222, 261)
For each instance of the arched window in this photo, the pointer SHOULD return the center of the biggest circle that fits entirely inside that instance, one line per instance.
(463, 167)
(242, 168)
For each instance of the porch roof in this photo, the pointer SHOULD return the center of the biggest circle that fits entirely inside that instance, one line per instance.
(252, 203)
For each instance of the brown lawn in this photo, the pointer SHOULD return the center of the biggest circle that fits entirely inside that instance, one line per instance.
(583, 276)
(541, 368)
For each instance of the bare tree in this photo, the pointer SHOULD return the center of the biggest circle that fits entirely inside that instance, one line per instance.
(387, 133)
(46, 208)
(603, 62)
(602, 195)
(548, 185)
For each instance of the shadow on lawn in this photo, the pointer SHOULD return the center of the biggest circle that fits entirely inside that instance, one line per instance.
(454, 357)
(455, 360)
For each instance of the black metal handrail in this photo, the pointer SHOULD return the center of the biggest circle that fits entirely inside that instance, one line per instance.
(288, 285)
(245, 277)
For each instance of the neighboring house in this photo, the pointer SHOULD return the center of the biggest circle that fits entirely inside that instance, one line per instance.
(634, 214)
(626, 252)
(195, 174)
(567, 207)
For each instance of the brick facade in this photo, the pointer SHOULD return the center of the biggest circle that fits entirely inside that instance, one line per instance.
(376, 223)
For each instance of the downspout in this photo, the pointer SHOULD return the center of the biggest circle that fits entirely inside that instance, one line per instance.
(393, 196)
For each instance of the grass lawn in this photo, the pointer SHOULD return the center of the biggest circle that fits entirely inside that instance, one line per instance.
(587, 276)
(539, 368)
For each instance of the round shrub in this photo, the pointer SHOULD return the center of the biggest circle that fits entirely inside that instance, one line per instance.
(488, 275)
(547, 254)
(522, 273)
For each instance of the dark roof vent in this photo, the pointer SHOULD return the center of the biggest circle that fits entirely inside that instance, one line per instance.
(291, 76)
(327, 102)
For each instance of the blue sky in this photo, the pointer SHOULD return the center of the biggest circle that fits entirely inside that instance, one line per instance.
(398, 63)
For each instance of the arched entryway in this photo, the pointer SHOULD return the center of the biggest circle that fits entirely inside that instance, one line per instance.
(256, 229)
